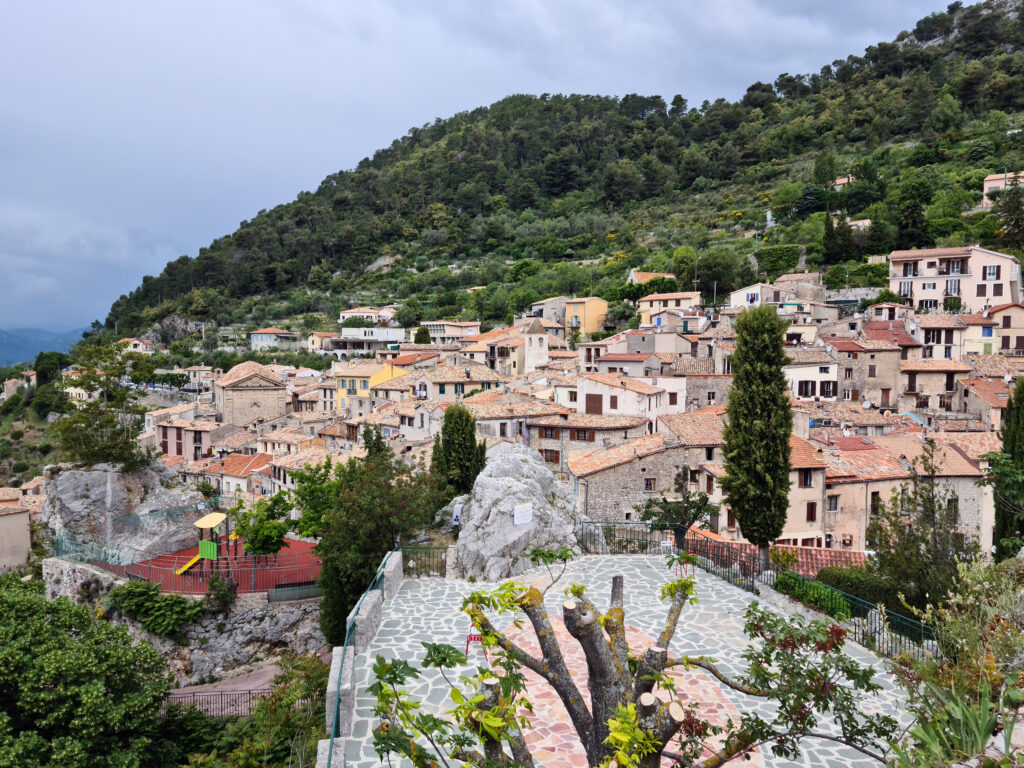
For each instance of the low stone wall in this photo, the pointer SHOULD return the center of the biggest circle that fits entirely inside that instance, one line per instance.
(341, 684)
(252, 631)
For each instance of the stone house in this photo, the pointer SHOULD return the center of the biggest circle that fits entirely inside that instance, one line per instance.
(449, 384)
(287, 440)
(249, 393)
(642, 278)
(282, 467)
(892, 332)
(450, 331)
(556, 435)
(420, 419)
(584, 315)
(552, 309)
(319, 341)
(940, 335)
(979, 334)
(623, 396)
(984, 399)
(234, 473)
(811, 373)
(869, 371)
(928, 387)
(272, 338)
(139, 346)
(701, 435)
(658, 302)
(611, 482)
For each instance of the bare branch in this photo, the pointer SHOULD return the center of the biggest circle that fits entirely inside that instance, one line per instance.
(717, 673)
(678, 601)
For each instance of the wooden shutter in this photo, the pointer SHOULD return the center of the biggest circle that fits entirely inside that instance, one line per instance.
(999, 270)
(593, 404)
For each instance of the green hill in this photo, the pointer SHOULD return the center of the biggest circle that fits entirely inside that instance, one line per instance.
(514, 196)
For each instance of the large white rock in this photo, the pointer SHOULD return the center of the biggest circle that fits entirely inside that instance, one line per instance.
(516, 504)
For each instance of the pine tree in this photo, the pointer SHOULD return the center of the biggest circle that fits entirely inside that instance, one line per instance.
(457, 457)
(911, 224)
(1010, 210)
(1007, 469)
(757, 433)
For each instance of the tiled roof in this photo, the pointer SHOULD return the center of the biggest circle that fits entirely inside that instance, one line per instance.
(357, 371)
(808, 356)
(172, 461)
(934, 365)
(588, 421)
(238, 439)
(586, 463)
(245, 370)
(721, 332)
(512, 406)
(703, 429)
(399, 382)
(416, 357)
(311, 457)
(893, 333)
(623, 382)
(799, 277)
(272, 329)
(285, 435)
(843, 345)
(646, 277)
(447, 374)
(938, 321)
(693, 365)
(929, 253)
(995, 392)
(863, 461)
(672, 296)
(877, 345)
(325, 334)
(195, 426)
(976, 320)
(1001, 307)
(974, 444)
(951, 462)
(242, 465)
(626, 357)
(994, 366)
(804, 455)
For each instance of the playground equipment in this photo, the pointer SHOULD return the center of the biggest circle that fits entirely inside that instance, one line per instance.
(208, 547)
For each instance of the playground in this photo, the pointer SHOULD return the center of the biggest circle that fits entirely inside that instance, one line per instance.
(294, 570)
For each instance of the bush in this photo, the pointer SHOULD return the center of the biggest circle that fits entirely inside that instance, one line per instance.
(863, 583)
(17, 434)
(777, 259)
(158, 613)
(19, 466)
(813, 594)
(220, 593)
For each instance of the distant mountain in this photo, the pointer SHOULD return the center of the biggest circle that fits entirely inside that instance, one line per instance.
(19, 345)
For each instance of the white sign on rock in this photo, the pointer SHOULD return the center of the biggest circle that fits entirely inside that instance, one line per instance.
(522, 514)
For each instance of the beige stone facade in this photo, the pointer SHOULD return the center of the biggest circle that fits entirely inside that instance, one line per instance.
(249, 394)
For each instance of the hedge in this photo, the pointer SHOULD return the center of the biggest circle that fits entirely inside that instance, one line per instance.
(812, 594)
(863, 583)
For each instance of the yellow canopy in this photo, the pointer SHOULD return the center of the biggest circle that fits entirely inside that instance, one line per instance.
(211, 520)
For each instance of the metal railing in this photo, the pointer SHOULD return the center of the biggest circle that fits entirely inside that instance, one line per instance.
(733, 563)
(220, 703)
(424, 560)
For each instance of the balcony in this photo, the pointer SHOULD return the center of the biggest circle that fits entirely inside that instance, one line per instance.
(350, 392)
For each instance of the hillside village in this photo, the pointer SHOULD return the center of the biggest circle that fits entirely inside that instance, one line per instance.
(620, 417)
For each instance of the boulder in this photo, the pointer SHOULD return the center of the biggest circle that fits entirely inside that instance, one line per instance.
(130, 516)
(517, 504)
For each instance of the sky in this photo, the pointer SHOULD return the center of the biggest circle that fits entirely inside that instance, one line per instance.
(134, 132)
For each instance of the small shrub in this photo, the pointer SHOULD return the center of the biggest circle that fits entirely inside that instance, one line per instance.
(158, 613)
(784, 558)
(17, 434)
(19, 466)
(814, 595)
(45, 449)
(863, 583)
(221, 594)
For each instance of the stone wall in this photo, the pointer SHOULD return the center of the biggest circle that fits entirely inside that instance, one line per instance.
(252, 630)
(611, 495)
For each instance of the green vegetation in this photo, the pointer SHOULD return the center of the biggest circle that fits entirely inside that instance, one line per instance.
(74, 690)
(536, 196)
(1008, 477)
(758, 428)
(864, 583)
(458, 457)
(159, 613)
(814, 595)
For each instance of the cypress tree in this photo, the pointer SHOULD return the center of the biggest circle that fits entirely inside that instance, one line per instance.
(422, 336)
(757, 432)
(1008, 474)
(457, 457)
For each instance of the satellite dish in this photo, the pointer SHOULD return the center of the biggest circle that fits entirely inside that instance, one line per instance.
(984, 313)
(846, 432)
(866, 404)
(820, 343)
(887, 414)
(1008, 378)
(856, 315)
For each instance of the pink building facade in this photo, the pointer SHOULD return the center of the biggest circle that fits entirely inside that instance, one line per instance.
(979, 278)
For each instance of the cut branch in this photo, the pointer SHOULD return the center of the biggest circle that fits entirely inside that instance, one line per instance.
(672, 619)
(718, 674)
(652, 662)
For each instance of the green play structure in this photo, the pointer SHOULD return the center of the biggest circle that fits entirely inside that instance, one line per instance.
(209, 545)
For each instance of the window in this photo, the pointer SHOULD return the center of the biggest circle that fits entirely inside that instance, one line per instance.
(823, 369)
(848, 373)
(731, 521)
(832, 503)
(586, 435)
(440, 389)
(991, 272)
(551, 457)
(986, 332)
(650, 484)
(872, 371)
(673, 398)
(805, 388)
(709, 454)
(982, 289)
(997, 289)
(928, 286)
(812, 511)
(711, 398)
(805, 478)
(460, 389)
(922, 401)
(952, 287)
(572, 395)
(613, 402)
(828, 389)
(876, 502)
(549, 433)
(503, 429)
(846, 394)
(1006, 321)
(694, 475)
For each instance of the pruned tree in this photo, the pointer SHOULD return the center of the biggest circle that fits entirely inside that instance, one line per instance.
(629, 721)
(758, 427)
(679, 515)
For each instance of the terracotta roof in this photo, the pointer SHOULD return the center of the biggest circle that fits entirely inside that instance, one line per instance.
(863, 460)
(325, 334)
(934, 365)
(311, 457)
(976, 320)
(245, 370)
(804, 455)
(623, 382)
(691, 366)
(586, 463)
(272, 329)
(929, 253)
(172, 461)
(416, 357)
(951, 462)
(938, 321)
(588, 421)
(511, 406)
(881, 331)
(808, 356)
(285, 435)
(671, 296)
(974, 444)
(873, 345)
(703, 429)
(1001, 307)
(562, 354)
(646, 277)
(1000, 176)
(843, 345)
(994, 366)
(454, 374)
(238, 439)
(242, 465)
(194, 426)
(995, 392)
(399, 382)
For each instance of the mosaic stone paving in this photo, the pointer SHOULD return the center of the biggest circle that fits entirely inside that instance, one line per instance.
(428, 610)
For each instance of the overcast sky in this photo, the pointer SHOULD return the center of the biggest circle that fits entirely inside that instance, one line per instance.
(134, 132)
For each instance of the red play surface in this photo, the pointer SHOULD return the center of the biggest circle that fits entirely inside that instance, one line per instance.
(295, 565)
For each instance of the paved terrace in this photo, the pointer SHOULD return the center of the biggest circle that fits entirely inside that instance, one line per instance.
(428, 609)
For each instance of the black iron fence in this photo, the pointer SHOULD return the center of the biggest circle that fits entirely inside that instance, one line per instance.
(220, 703)
(892, 635)
(420, 560)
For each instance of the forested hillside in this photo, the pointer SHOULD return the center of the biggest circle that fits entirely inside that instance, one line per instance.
(515, 195)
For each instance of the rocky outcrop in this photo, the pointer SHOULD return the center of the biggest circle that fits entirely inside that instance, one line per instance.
(516, 505)
(253, 631)
(124, 514)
